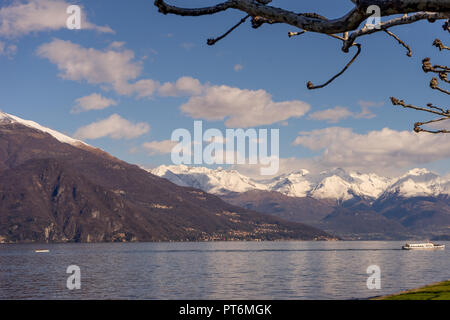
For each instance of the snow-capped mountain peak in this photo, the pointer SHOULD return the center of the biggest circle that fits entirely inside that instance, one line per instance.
(9, 118)
(217, 181)
(418, 172)
(294, 184)
(419, 183)
(336, 184)
(333, 187)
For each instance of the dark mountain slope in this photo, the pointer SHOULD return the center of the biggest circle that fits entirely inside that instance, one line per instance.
(53, 191)
(390, 217)
(423, 215)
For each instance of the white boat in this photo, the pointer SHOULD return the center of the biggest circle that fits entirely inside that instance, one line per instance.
(41, 251)
(423, 246)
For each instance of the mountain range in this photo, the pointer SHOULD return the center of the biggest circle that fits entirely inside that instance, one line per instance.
(352, 205)
(57, 189)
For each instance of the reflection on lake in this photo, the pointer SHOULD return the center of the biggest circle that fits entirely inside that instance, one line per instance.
(219, 270)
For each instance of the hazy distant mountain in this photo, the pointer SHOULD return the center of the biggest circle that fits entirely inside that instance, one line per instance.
(350, 204)
(299, 209)
(55, 188)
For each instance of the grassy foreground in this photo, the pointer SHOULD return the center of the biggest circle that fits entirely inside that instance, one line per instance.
(435, 291)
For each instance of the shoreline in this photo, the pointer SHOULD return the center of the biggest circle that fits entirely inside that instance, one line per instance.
(434, 291)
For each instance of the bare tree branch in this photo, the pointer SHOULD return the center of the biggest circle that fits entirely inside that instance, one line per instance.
(262, 13)
(213, 41)
(428, 67)
(434, 84)
(409, 53)
(394, 22)
(418, 128)
(164, 8)
(440, 112)
(430, 108)
(311, 86)
(418, 125)
(312, 21)
(438, 43)
(411, 11)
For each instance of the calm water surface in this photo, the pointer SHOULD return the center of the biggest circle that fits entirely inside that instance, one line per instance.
(221, 270)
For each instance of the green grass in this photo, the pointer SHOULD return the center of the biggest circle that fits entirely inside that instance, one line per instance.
(436, 291)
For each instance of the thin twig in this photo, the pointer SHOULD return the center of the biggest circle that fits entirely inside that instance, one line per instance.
(418, 126)
(397, 102)
(293, 34)
(213, 41)
(409, 53)
(429, 105)
(311, 86)
(434, 85)
(438, 43)
(445, 114)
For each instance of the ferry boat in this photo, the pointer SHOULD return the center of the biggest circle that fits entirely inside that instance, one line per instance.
(423, 246)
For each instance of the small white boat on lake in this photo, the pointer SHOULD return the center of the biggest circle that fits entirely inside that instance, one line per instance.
(423, 246)
(41, 251)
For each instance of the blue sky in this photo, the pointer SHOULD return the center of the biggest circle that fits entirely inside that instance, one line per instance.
(39, 82)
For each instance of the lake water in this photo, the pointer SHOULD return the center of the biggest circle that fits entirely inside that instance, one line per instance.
(220, 270)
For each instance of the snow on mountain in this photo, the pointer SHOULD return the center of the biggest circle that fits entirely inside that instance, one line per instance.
(340, 185)
(333, 187)
(8, 118)
(419, 183)
(294, 184)
(216, 181)
(371, 185)
(331, 184)
(334, 184)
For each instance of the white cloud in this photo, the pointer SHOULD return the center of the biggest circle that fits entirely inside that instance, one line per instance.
(333, 115)
(24, 17)
(366, 106)
(241, 107)
(147, 88)
(94, 101)
(183, 86)
(338, 113)
(91, 65)
(114, 66)
(144, 88)
(376, 151)
(365, 113)
(159, 147)
(114, 127)
(116, 44)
